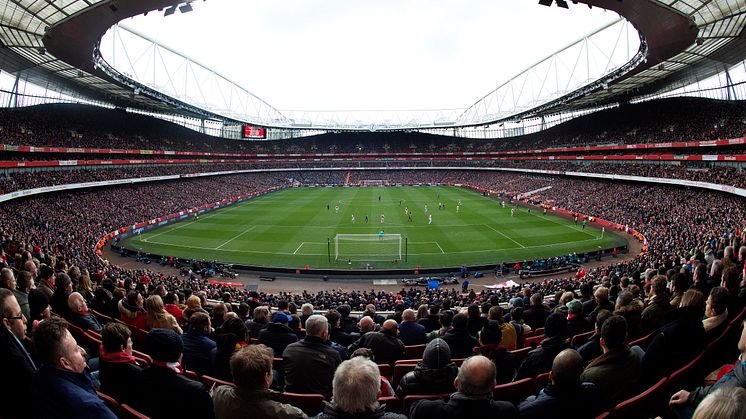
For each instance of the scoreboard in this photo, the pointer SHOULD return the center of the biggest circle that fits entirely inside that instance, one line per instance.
(253, 132)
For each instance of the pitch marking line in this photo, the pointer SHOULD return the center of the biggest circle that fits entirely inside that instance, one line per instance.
(504, 235)
(441, 249)
(435, 243)
(237, 236)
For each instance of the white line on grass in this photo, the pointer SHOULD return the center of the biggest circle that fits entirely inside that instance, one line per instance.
(299, 246)
(237, 236)
(441, 249)
(504, 235)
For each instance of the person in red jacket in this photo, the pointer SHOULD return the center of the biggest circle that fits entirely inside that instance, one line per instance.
(171, 306)
(132, 312)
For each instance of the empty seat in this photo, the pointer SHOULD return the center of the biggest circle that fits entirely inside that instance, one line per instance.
(414, 351)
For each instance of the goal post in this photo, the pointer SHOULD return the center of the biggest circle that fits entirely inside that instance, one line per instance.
(367, 247)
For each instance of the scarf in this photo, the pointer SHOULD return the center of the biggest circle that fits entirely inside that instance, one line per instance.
(174, 366)
(119, 357)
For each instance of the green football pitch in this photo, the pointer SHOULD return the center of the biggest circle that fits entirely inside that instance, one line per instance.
(293, 228)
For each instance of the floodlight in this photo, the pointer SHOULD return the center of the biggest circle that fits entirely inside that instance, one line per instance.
(545, 2)
(186, 7)
(169, 11)
(562, 4)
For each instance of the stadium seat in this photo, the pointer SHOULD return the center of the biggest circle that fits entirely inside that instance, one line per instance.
(278, 364)
(514, 392)
(581, 338)
(311, 404)
(540, 382)
(458, 361)
(642, 342)
(211, 382)
(400, 370)
(385, 370)
(533, 341)
(414, 351)
(393, 403)
(521, 354)
(130, 413)
(408, 361)
(142, 356)
(410, 400)
(102, 318)
(191, 375)
(649, 403)
(539, 331)
(686, 377)
(112, 404)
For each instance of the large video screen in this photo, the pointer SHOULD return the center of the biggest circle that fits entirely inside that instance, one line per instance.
(252, 132)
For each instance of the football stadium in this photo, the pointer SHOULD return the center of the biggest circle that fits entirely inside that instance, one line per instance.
(390, 209)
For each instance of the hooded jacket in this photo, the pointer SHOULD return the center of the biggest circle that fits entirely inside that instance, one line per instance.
(133, 316)
(434, 375)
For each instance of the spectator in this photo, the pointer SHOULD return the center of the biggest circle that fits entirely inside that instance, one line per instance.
(631, 309)
(63, 286)
(411, 332)
(79, 314)
(229, 338)
(540, 359)
(158, 317)
(679, 340)
(132, 312)
(15, 361)
(716, 312)
(458, 338)
(473, 398)
(537, 312)
(386, 345)
(356, 386)
(490, 341)
(251, 368)
(565, 392)
(278, 335)
(601, 296)
(193, 305)
(306, 311)
(617, 371)
(476, 321)
(119, 373)
(370, 311)
(259, 322)
(198, 344)
(62, 387)
(654, 315)
(164, 392)
(434, 375)
(431, 321)
(24, 284)
(509, 331)
(723, 403)
(336, 334)
(310, 363)
(386, 389)
(46, 281)
(295, 326)
(576, 322)
(445, 320)
(38, 306)
(170, 304)
(346, 323)
(592, 348)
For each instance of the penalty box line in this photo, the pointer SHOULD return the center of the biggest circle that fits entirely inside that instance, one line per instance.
(303, 243)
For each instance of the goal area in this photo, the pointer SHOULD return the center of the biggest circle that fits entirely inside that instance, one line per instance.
(367, 247)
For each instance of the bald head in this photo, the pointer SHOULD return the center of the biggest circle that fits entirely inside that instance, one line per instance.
(77, 303)
(408, 315)
(566, 368)
(391, 325)
(476, 377)
(367, 325)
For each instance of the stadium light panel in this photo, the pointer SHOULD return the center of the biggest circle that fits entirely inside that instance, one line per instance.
(545, 2)
(169, 11)
(186, 7)
(562, 4)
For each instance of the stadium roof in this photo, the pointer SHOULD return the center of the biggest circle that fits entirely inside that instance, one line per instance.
(54, 43)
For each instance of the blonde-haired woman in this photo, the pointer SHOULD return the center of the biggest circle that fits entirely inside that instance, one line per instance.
(158, 317)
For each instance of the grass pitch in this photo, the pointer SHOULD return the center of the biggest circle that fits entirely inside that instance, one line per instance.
(290, 228)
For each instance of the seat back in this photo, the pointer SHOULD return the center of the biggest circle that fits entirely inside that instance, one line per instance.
(102, 318)
(142, 356)
(385, 370)
(642, 342)
(414, 351)
(521, 354)
(310, 404)
(533, 341)
(514, 392)
(410, 400)
(686, 377)
(109, 401)
(649, 403)
(128, 412)
(400, 370)
(581, 338)
(212, 382)
(540, 382)
(539, 331)
(393, 403)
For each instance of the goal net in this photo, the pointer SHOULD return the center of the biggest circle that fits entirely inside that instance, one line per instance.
(367, 247)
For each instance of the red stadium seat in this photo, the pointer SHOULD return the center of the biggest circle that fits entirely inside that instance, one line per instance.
(458, 361)
(102, 318)
(410, 400)
(533, 341)
(311, 404)
(686, 377)
(212, 383)
(540, 382)
(521, 354)
(385, 370)
(142, 356)
(642, 342)
(129, 413)
(649, 403)
(112, 404)
(393, 403)
(278, 364)
(400, 370)
(514, 392)
(408, 361)
(414, 351)
(581, 338)
(191, 375)
(539, 331)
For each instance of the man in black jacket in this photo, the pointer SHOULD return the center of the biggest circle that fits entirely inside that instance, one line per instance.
(310, 363)
(164, 392)
(475, 381)
(540, 359)
(458, 338)
(386, 346)
(15, 361)
(434, 375)
(537, 312)
(80, 315)
(278, 335)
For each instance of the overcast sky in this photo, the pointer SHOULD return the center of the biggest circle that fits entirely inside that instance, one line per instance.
(370, 54)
